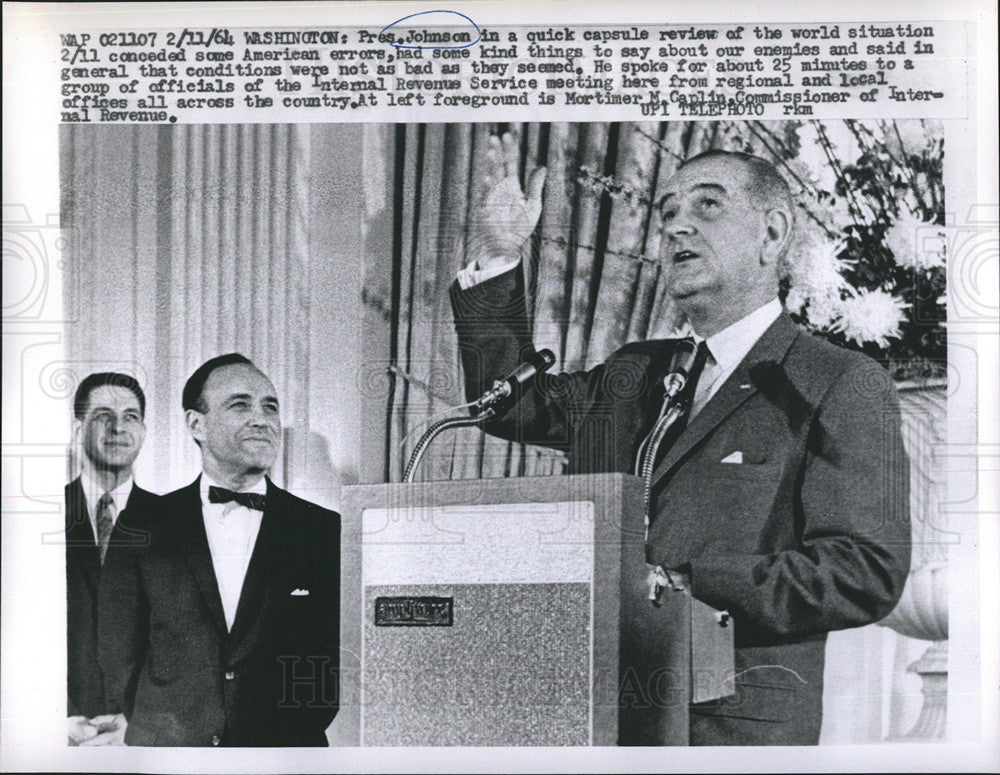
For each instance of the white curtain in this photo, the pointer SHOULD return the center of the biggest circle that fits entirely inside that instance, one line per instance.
(192, 241)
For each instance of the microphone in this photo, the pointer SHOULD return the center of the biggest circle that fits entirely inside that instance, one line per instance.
(540, 361)
(680, 367)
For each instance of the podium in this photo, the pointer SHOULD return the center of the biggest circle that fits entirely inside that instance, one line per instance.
(515, 612)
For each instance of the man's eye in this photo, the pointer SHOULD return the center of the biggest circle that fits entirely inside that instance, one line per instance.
(239, 405)
(270, 408)
(708, 204)
(669, 214)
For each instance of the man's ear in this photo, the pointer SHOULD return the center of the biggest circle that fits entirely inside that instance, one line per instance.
(195, 422)
(777, 233)
(77, 431)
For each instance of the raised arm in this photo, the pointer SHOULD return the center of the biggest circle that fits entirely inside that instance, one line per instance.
(503, 216)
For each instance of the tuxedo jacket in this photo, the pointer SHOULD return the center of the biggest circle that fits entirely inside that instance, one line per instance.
(85, 686)
(272, 679)
(808, 534)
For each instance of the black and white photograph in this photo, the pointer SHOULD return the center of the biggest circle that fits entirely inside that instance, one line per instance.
(343, 260)
(520, 441)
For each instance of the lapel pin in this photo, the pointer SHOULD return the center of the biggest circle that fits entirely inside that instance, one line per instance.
(299, 592)
(746, 386)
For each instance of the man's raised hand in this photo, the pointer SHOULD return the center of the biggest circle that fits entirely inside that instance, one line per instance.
(504, 216)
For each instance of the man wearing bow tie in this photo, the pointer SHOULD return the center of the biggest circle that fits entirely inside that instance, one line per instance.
(227, 623)
(108, 423)
(781, 496)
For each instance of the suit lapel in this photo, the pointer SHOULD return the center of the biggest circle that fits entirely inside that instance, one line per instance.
(80, 538)
(78, 529)
(137, 500)
(193, 545)
(272, 540)
(126, 532)
(772, 346)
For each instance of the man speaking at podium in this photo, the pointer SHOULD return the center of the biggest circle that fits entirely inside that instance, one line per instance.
(782, 494)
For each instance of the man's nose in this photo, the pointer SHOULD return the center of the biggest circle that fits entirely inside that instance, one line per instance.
(262, 418)
(678, 226)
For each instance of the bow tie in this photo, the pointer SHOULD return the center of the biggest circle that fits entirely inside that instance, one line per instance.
(251, 500)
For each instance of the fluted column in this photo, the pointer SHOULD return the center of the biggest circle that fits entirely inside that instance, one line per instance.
(922, 612)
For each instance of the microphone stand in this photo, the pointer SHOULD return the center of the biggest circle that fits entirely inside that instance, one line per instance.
(672, 411)
(486, 405)
(441, 425)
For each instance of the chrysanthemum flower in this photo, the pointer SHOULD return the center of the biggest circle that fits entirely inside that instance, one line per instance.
(871, 316)
(916, 243)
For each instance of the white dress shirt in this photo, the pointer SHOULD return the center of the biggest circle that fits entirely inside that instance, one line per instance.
(730, 346)
(232, 532)
(92, 493)
(472, 275)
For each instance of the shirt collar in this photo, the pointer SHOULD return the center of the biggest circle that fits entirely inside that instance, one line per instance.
(93, 491)
(731, 345)
(259, 487)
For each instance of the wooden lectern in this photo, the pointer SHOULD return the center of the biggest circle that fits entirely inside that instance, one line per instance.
(515, 612)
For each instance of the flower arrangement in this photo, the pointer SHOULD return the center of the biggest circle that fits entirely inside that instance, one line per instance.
(867, 269)
(867, 266)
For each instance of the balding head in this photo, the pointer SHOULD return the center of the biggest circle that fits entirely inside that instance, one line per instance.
(767, 188)
(727, 221)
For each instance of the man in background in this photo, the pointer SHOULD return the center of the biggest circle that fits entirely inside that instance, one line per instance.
(781, 496)
(109, 412)
(227, 621)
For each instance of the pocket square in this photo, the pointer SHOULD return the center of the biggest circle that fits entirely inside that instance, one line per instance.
(300, 592)
(736, 457)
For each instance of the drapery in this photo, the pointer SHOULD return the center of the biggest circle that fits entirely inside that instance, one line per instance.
(593, 279)
(185, 243)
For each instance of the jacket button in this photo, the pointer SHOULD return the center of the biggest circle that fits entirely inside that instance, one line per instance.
(230, 675)
(215, 740)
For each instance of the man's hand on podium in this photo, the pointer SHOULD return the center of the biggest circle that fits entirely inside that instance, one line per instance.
(504, 217)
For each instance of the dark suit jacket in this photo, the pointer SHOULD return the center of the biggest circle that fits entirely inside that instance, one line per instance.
(809, 534)
(85, 687)
(271, 681)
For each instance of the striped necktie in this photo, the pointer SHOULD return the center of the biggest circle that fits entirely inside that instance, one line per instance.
(105, 522)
